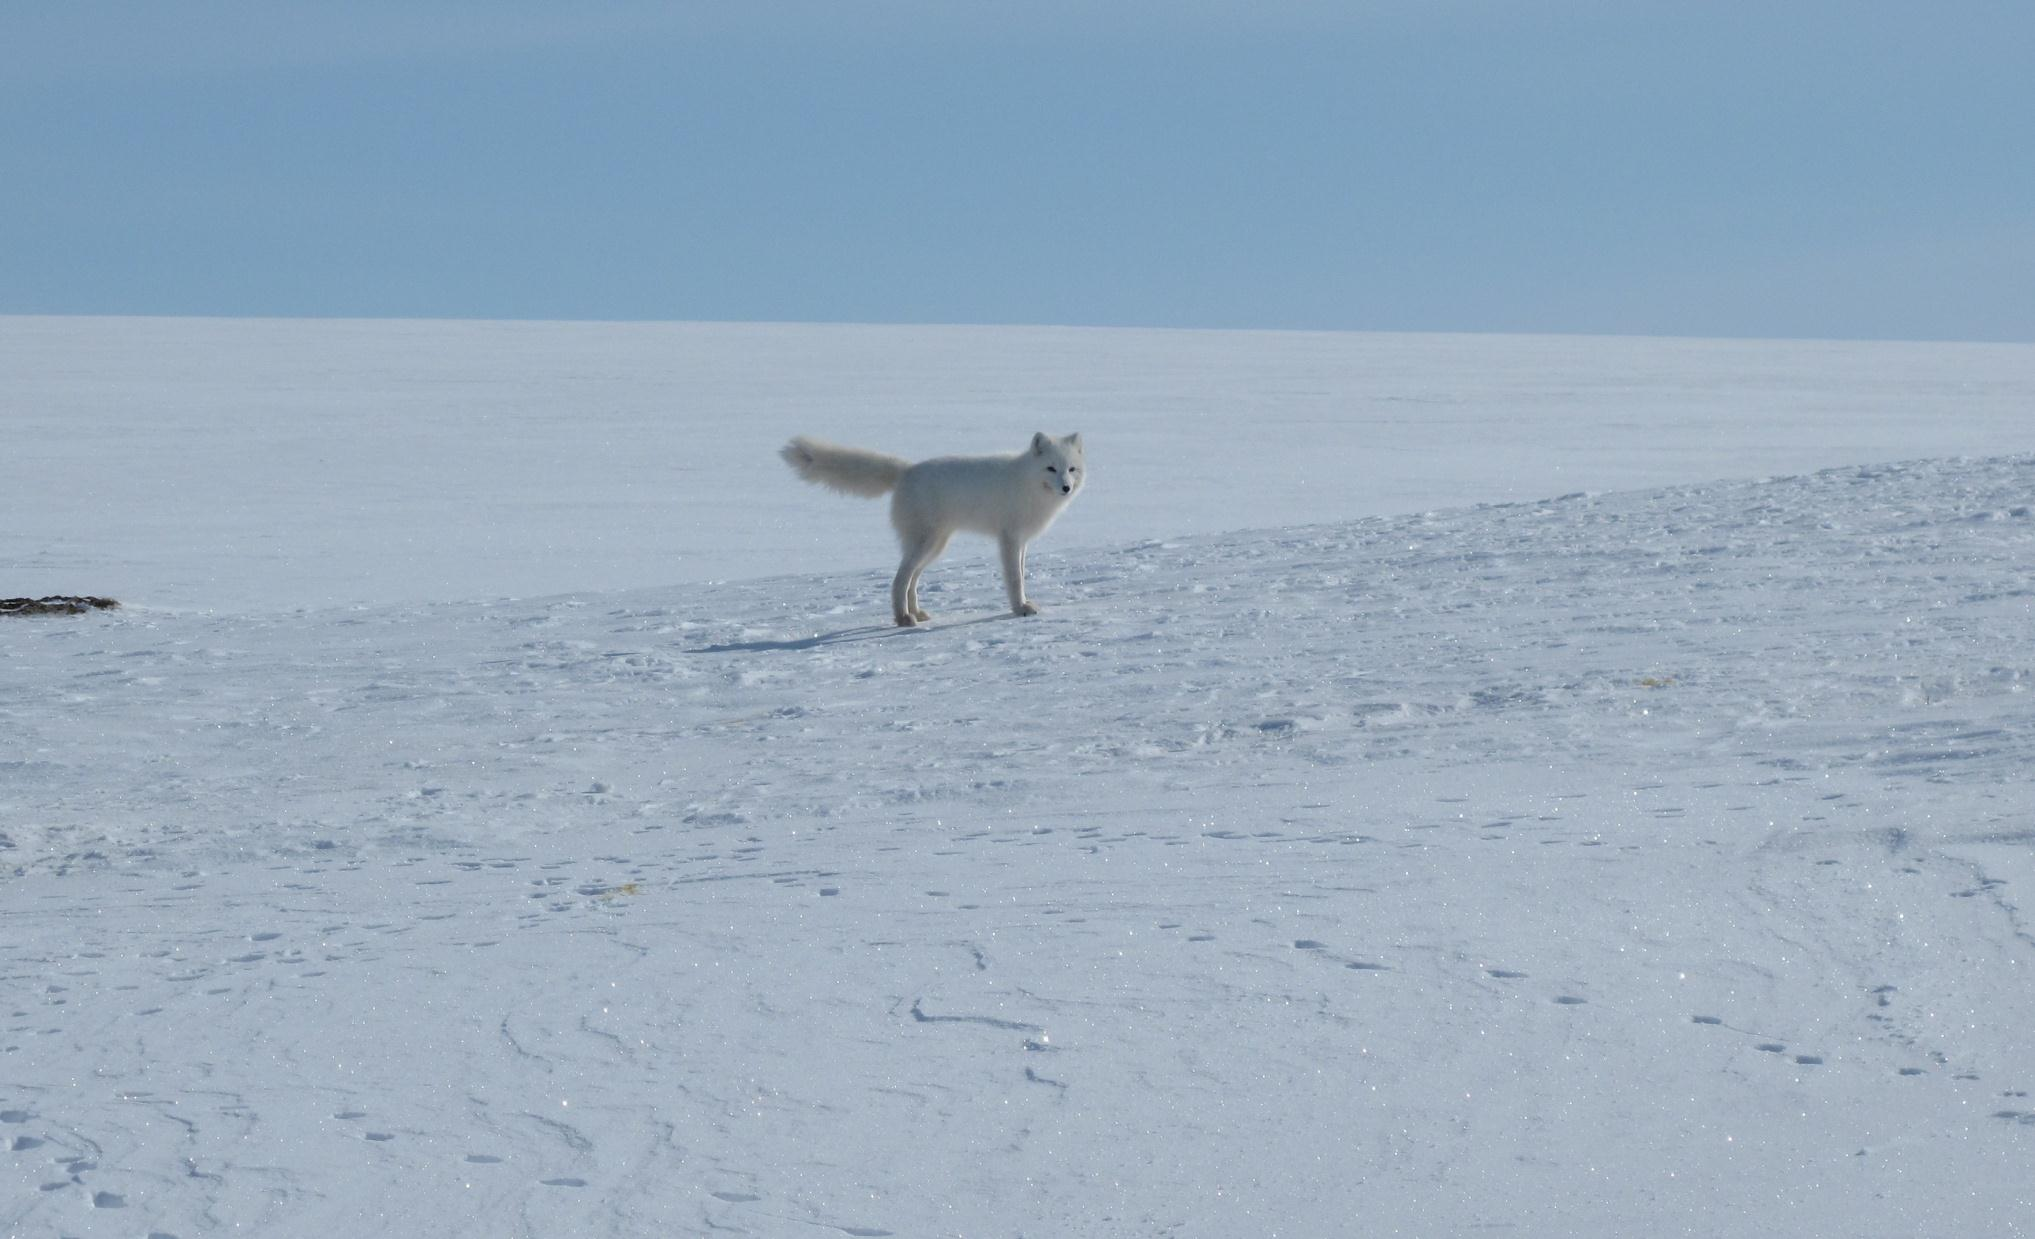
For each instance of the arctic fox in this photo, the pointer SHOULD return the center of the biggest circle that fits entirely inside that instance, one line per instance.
(1011, 498)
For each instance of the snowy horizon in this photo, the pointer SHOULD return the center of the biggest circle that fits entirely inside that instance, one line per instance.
(1017, 325)
(259, 448)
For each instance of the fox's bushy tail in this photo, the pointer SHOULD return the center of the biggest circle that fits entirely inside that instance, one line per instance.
(850, 470)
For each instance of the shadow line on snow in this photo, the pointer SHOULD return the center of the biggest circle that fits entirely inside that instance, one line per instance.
(867, 632)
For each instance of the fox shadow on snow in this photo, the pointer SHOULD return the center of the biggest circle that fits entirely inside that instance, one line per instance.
(864, 632)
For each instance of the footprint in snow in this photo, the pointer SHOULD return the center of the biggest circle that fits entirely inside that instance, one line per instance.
(1355, 965)
(563, 1182)
(736, 1198)
(483, 1159)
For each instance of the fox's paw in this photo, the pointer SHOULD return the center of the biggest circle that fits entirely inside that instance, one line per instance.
(1025, 608)
(920, 616)
(906, 621)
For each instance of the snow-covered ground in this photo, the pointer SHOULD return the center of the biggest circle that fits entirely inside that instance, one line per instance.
(1625, 861)
(268, 464)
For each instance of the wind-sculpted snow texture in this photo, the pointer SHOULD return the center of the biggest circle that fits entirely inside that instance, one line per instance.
(1653, 862)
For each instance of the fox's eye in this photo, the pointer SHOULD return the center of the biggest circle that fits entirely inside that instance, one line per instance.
(1052, 468)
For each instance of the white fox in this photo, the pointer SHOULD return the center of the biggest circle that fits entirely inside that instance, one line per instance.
(1011, 498)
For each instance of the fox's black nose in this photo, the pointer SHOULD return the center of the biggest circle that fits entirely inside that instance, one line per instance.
(1066, 489)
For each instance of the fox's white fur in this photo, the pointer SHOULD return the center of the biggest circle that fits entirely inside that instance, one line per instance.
(1010, 498)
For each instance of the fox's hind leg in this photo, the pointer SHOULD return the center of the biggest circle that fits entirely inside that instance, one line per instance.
(920, 549)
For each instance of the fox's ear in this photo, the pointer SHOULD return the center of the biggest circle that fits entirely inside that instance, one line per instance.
(1074, 440)
(1039, 443)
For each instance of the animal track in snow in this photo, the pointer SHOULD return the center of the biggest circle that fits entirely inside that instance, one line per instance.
(987, 1021)
(1310, 944)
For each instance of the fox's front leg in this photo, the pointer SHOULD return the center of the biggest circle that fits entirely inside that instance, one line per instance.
(1014, 575)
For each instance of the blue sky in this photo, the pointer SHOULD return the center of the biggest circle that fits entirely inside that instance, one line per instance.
(1710, 167)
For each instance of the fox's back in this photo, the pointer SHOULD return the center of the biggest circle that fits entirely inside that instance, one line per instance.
(980, 494)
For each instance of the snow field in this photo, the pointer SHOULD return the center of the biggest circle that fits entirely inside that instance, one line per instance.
(1608, 862)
